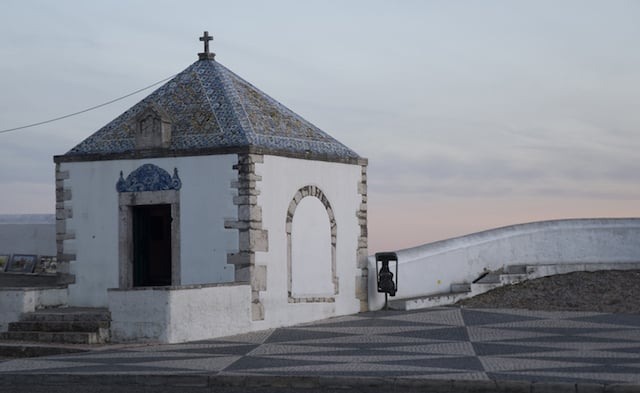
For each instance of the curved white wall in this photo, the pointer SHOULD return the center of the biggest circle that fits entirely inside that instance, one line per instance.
(432, 268)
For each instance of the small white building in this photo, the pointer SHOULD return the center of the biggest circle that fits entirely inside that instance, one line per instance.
(208, 209)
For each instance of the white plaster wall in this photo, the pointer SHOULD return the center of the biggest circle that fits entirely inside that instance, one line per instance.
(281, 179)
(198, 314)
(311, 250)
(139, 314)
(15, 302)
(179, 314)
(206, 200)
(432, 268)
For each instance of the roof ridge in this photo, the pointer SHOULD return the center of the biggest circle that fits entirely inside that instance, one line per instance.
(243, 117)
(221, 103)
(207, 97)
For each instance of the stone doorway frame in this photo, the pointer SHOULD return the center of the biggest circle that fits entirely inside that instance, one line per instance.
(147, 185)
(127, 201)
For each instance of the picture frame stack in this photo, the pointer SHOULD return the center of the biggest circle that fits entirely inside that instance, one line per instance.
(28, 263)
(21, 263)
(4, 261)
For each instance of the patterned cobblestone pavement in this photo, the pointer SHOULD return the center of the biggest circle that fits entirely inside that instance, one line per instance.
(441, 343)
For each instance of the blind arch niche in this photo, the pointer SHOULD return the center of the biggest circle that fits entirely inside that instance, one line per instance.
(311, 247)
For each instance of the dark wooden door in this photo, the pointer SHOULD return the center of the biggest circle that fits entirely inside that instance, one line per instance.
(151, 245)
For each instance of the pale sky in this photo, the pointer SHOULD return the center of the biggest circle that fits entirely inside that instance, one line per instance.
(473, 114)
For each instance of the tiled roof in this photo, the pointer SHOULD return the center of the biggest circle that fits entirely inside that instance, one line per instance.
(212, 110)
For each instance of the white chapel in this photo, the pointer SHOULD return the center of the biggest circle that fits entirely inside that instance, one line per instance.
(209, 209)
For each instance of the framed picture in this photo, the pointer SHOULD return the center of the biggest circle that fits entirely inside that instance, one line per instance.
(46, 264)
(22, 263)
(4, 261)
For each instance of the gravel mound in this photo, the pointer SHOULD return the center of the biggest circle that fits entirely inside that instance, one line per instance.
(609, 291)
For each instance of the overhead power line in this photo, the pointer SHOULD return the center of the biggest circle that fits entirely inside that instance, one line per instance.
(87, 109)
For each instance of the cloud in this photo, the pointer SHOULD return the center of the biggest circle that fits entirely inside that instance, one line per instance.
(584, 162)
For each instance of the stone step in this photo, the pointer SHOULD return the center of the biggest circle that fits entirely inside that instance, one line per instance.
(509, 279)
(55, 337)
(417, 303)
(489, 278)
(73, 325)
(68, 314)
(58, 326)
(28, 350)
(515, 269)
(479, 288)
(460, 287)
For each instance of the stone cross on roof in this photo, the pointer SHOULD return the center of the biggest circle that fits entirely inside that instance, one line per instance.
(206, 55)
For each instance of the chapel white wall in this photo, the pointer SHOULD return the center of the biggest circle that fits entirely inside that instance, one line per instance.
(281, 179)
(173, 315)
(206, 200)
(432, 268)
(17, 301)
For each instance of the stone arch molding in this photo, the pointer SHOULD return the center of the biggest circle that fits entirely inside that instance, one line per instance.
(311, 192)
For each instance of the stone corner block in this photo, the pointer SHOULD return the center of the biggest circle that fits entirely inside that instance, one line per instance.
(249, 212)
(242, 274)
(363, 258)
(62, 175)
(362, 287)
(254, 240)
(259, 278)
(257, 311)
(362, 188)
(241, 258)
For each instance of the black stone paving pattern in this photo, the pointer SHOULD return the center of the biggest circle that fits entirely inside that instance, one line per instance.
(446, 344)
